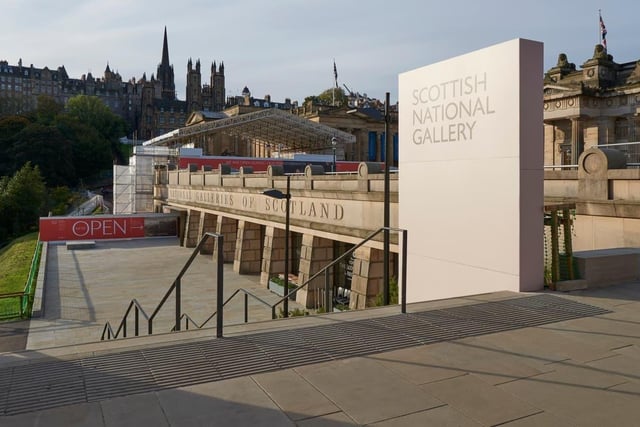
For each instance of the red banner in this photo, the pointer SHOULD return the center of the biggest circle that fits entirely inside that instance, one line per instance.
(90, 228)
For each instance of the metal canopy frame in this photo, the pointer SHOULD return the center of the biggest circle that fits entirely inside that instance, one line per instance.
(270, 126)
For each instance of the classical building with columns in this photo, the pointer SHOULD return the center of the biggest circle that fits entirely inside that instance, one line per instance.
(595, 105)
(329, 215)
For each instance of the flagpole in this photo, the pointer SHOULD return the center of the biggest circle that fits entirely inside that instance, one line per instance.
(335, 77)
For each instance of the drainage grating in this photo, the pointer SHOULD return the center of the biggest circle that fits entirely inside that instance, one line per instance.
(45, 385)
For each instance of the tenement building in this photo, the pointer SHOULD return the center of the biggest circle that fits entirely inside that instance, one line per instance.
(148, 105)
(595, 105)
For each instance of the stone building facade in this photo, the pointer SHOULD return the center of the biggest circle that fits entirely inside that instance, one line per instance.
(149, 106)
(595, 105)
(329, 216)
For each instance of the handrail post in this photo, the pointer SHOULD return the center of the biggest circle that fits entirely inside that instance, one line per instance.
(178, 303)
(246, 308)
(404, 272)
(136, 317)
(327, 294)
(387, 201)
(220, 287)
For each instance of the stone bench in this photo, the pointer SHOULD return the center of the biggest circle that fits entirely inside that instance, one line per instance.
(603, 267)
(81, 244)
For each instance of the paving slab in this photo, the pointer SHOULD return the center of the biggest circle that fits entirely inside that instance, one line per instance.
(134, 411)
(337, 419)
(623, 367)
(542, 419)
(442, 416)
(236, 402)
(86, 414)
(479, 400)
(418, 365)
(567, 395)
(294, 395)
(366, 391)
(492, 365)
(541, 346)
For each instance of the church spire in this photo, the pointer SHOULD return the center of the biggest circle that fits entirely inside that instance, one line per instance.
(165, 72)
(165, 50)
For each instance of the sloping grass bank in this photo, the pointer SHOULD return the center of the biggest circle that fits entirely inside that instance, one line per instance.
(15, 261)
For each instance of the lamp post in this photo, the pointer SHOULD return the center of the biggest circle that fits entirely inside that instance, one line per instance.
(387, 201)
(277, 194)
(334, 142)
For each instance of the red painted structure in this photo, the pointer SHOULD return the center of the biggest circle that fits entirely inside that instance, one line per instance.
(260, 164)
(101, 227)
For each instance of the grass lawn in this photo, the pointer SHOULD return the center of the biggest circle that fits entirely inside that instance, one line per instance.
(15, 261)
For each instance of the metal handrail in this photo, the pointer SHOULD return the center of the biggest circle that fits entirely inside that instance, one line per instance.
(175, 286)
(188, 319)
(324, 270)
(348, 253)
(108, 330)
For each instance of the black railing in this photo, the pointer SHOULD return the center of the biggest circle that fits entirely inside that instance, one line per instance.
(176, 286)
(328, 293)
(108, 333)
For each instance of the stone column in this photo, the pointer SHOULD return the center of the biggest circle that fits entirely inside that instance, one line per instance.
(248, 254)
(315, 254)
(631, 124)
(192, 229)
(207, 224)
(576, 140)
(606, 130)
(367, 279)
(272, 254)
(228, 228)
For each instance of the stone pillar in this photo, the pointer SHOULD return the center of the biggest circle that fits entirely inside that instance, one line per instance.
(207, 224)
(631, 128)
(368, 275)
(606, 130)
(576, 140)
(551, 149)
(248, 254)
(228, 228)
(272, 254)
(315, 254)
(192, 229)
(593, 167)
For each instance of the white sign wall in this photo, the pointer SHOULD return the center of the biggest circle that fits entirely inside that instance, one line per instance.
(471, 181)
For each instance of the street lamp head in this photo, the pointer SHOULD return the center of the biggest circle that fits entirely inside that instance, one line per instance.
(334, 141)
(276, 194)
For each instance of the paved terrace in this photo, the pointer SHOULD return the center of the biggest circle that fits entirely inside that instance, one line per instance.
(495, 359)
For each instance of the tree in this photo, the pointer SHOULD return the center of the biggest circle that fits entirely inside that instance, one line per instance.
(9, 127)
(47, 110)
(91, 152)
(22, 199)
(91, 111)
(47, 148)
(333, 97)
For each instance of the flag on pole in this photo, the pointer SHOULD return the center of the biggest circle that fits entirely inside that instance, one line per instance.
(603, 32)
(335, 72)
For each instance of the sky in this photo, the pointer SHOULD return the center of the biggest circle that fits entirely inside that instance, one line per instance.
(287, 48)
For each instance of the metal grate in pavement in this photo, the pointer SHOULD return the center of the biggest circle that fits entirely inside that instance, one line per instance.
(58, 383)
